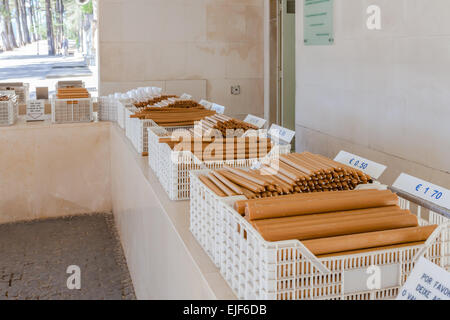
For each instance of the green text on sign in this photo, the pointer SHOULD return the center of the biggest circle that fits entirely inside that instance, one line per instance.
(318, 22)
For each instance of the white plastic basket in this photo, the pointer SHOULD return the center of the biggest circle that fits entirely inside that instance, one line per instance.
(22, 92)
(154, 133)
(136, 130)
(72, 110)
(9, 112)
(107, 109)
(121, 114)
(174, 167)
(287, 270)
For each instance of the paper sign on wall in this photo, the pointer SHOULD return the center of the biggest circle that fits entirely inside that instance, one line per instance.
(281, 133)
(218, 108)
(256, 121)
(426, 282)
(35, 110)
(424, 190)
(373, 169)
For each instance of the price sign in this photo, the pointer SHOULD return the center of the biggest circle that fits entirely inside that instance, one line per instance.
(206, 104)
(427, 281)
(256, 121)
(7, 93)
(424, 190)
(373, 169)
(281, 133)
(218, 108)
(256, 166)
(186, 96)
(35, 110)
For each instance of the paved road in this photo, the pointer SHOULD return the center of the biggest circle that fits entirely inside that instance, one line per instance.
(40, 70)
(34, 258)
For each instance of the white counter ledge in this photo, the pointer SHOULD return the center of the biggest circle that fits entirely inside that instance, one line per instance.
(164, 259)
(49, 171)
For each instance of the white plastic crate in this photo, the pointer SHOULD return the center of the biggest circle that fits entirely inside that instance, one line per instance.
(22, 92)
(121, 113)
(72, 110)
(205, 207)
(8, 113)
(257, 269)
(129, 128)
(204, 210)
(174, 168)
(136, 131)
(154, 133)
(107, 109)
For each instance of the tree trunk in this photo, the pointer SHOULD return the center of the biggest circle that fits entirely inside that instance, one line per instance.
(61, 18)
(32, 25)
(35, 19)
(50, 33)
(24, 16)
(8, 24)
(57, 28)
(19, 23)
(4, 29)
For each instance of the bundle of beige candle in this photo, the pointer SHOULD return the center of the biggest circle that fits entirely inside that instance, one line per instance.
(218, 149)
(223, 125)
(153, 101)
(336, 223)
(290, 174)
(174, 117)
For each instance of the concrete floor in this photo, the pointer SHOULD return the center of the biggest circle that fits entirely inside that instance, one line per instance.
(34, 258)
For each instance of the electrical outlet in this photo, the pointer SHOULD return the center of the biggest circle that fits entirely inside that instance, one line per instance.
(235, 90)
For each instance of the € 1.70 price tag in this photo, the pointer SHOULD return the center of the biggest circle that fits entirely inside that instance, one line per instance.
(424, 190)
(373, 169)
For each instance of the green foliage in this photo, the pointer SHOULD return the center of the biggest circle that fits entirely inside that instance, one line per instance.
(88, 8)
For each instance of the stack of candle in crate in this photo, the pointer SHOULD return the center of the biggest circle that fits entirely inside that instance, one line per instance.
(220, 149)
(153, 101)
(290, 174)
(336, 223)
(287, 200)
(224, 126)
(73, 93)
(182, 115)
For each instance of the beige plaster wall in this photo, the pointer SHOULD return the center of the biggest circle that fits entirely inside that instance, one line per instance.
(149, 42)
(49, 171)
(381, 94)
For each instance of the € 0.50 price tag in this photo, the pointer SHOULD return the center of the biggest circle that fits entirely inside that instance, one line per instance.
(373, 169)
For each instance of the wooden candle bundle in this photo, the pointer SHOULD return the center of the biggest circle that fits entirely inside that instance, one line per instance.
(153, 101)
(302, 173)
(72, 93)
(174, 117)
(336, 223)
(226, 126)
(4, 98)
(212, 149)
